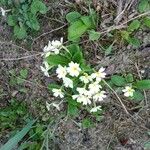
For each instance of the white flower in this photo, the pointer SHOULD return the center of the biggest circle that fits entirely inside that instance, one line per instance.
(94, 87)
(99, 96)
(61, 72)
(86, 78)
(128, 91)
(68, 82)
(58, 93)
(73, 69)
(52, 104)
(82, 99)
(53, 46)
(83, 91)
(48, 106)
(45, 69)
(95, 109)
(3, 11)
(57, 44)
(56, 106)
(99, 75)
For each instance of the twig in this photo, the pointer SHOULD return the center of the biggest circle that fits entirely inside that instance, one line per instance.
(123, 25)
(48, 33)
(117, 97)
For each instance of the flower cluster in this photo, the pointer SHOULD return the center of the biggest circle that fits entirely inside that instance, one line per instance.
(90, 91)
(53, 47)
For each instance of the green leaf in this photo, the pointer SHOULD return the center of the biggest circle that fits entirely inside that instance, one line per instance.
(143, 84)
(93, 35)
(134, 41)
(72, 108)
(125, 35)
(109, 49)
(73, 16)
(38, 6)
(88, 22)
(147, 21)
(76, 30)
(118, 80)
(24, 73)
(129, 78)
(18, 137)
(33, 22)
(20, 32)
(11, 20)
(55, 60)
(147, 146)
(138, 96)
(87, 123)
(53, 86)
(134, 25)
(143, 6)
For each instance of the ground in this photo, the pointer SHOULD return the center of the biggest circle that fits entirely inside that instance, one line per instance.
(116, 130)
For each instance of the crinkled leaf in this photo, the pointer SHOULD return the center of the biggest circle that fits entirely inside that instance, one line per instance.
(20, 32)
(76, 30)
(87, 21)
(24, 73)
(147, 21)
(143, 84)
(72, 107)
(134, 41)
(125, 35)
(93, 35)
(73, 16)
(143, 6)
(87, 123)
(55, 60)
(129, 78)
(11, 20)
(38, 6)
(138, 96)
(134, 25)
(118, 80)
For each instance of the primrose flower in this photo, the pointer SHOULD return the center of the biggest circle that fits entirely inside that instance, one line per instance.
(99, 96)
(99, 75)
(53, 47)
(95, 109)
(58, 93)
(68, 82)
(48, 106)
(57, 44)
(56, 106)
(86, 78)
(45, 69)
(3, 11)
(73, 69)
(94, 87)
(128, 91)
(82, 99)
(61, 72)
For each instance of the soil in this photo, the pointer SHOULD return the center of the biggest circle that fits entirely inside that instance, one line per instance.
(116, 131)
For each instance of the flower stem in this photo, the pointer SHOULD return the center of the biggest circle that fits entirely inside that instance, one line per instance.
(126, 111)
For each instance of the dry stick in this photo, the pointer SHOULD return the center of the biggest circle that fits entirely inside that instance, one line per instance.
(139, 74)
(48, 33)
(20, 58)
(124, 23)
(117, 97)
